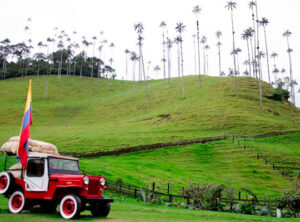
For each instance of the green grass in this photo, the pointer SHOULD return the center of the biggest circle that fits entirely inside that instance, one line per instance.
(211, 163)
(129, 210)
(78, 117)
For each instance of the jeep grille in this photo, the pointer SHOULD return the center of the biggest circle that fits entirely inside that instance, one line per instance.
(93, 187)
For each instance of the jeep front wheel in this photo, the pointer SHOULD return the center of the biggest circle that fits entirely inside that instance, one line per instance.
(6, 181)
(70, 207)
(16, 202)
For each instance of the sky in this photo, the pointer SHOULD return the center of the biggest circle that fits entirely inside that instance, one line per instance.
(117, 17)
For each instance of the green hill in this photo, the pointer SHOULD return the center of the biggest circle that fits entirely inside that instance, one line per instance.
(76, 116)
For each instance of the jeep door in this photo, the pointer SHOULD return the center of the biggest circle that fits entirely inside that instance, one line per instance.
(36, 176)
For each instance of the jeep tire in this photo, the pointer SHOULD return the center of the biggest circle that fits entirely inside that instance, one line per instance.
(70, 207)
(6, 183)
(100, 209)
(16, 202)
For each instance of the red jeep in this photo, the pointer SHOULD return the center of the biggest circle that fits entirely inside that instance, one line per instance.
(51, 180)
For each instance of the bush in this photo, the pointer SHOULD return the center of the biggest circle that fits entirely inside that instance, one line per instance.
(205, 197)
(280, 94)
(290, 202)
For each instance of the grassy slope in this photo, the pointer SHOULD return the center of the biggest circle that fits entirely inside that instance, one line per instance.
(214, 162)
(76, 116)
(129, 210)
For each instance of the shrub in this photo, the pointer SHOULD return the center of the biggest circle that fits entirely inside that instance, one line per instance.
(205, 197)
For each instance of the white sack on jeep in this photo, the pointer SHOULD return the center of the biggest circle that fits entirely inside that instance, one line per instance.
(12, 144)
(16, 170)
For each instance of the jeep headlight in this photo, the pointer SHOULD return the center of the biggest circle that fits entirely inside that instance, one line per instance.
(86, 180)
(102, 181)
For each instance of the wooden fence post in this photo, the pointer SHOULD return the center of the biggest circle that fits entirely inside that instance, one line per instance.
(239, 195)
(153, 186)
(120, 191)
(188, 201)
(258, 156)
(232, 139)
(170, 198)
(135, 191)
(168, 188)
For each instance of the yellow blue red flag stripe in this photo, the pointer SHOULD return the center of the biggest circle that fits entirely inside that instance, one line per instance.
(22, 152)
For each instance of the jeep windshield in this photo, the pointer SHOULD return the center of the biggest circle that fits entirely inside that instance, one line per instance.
(63, 166)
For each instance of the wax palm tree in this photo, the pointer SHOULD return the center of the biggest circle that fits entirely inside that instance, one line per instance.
(39, 57)
(133, 58)
(203, 41)
(156, 69)
(274, 55)
(236, 53)
(252, 6)
(196, 11)
(163, 26)
(219, 34)
(60, 46)
(86, 44)
(246, 35)
(275, 72)
(76, 46)
(230, 6)
(195, 57)
(6, 50)
(246, 63)
(180, 29)
(260, 55)
(139, 28)
(169, 46)
(94, 45)
(206, 52)
(177, 42)
(264, 22)
(287, 35)
(126, 52)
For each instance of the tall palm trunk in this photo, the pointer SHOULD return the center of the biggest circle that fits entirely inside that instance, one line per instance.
(126, 66)
(198, 45)
(258, 60)
(207, 62)
(133, 78)
(254, 45)
(169, 64)
(249, 60)
(204, 61)
(61, 56)
(144, 74)
(164, 54)
(219, 53)
(267, 54)
(291, 74)
(81, 69)
(234, 59)
(178, 59)
(252, 61)
(195, 59)
(181, 54)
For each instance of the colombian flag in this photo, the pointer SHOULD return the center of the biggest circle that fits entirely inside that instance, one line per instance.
(22, 152)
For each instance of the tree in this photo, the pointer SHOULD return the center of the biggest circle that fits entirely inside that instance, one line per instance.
(287, 35)
(180, 29)
(139, 28)
(126, 52)
(206, 48)
(195, 57)
(133, 58)
(203, 41)
(86, 44)
(196, 11)
(169, 46)
(177, 42)
(219, 34)
(246, 35)
(246, 63)
(156, 69)
(274, 55)
(163, 26)
(237, 52)
(275, 72)
(264, 22)
(39, 57)
(252, 5)
(5, 50)
(260, 55)
(230, 6)
(94, 45)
